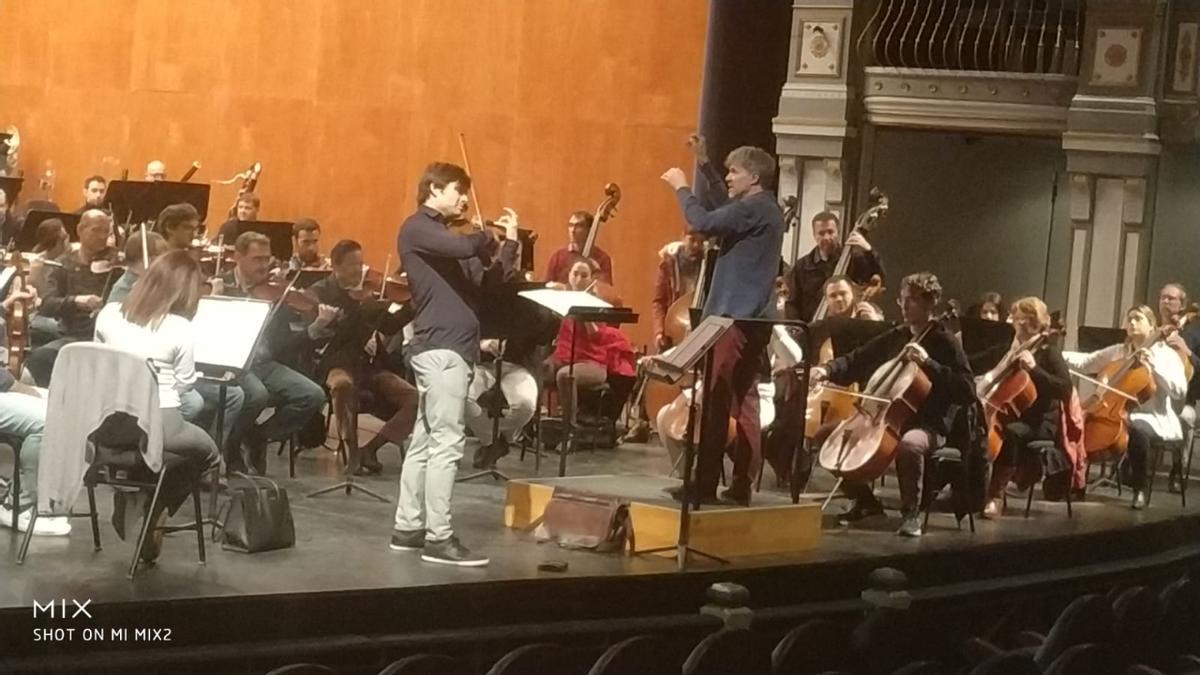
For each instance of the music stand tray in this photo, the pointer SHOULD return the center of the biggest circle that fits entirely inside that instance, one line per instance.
(27, 238)
(279, 232)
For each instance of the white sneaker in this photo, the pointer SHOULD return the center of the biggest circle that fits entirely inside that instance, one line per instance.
(47, 526)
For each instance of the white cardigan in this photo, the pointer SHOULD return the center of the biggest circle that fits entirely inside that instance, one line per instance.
(1159, 411)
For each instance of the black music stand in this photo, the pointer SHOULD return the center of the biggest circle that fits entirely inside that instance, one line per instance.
(279, 232)
(985, 342)
(495, 405)
(139, 201)
(26, 239)
(684, 359)
(12, 188)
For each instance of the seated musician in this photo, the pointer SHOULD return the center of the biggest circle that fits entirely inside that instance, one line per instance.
(520, 391)
(1172, 309)
(23, 414)
(354, 357)
(989, 308)
(74, 288)
(155, 322)
(156, 171)
(678, 271)
(941, 358)
(156, 245)
(559, 268)
(808, 275)
(602, 354)
(248, 205)
(9, 224)
(306, 246)
(1052, 380)
(94, 189)
(1155, 420)
(268, 382)
(52, 242)
(178, 224)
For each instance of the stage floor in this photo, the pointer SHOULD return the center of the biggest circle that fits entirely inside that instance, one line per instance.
(342, 554)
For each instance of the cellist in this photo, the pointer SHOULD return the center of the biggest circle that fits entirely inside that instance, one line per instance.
(942, 359)
(1155, 420)
(1050, 377)
(1172, 303)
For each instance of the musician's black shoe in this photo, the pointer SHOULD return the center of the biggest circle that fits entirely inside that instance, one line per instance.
(638, 433)
(369, 468)
(862, 508)
(486, 456)
(736, 496)
(1173, 481)
(676, 493)
(411, 540)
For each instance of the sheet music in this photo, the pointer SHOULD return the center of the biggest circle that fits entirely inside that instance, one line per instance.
(561, 302)
(6, 276)
(227, 329)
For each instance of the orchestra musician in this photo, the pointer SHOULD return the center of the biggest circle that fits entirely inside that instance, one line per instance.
(520, 390)
(942, 359)
(52, 242)
(558, 269)
(268, 382)
(178, 224)
(748, 225)
(155, 322)
(156, 245)
(602, 354)
(1052, 380)
(248, 206)
(1152, 422)
(8, 222)
(445, 271)
(94, 189)
(74, 288)
(678, 273)
(1172, 303)
(354, 357)
(23, 415)
(807, 277)
(306, 247)
(990, 307)
(156, 171)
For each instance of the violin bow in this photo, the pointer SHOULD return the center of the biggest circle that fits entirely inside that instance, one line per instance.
(462, 146)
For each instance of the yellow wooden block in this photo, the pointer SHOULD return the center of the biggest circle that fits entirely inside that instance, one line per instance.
(525, 503)
(729, 533)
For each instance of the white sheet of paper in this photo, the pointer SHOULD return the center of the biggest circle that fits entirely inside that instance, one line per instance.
(226, 330)
(6, 276)
(561, 302)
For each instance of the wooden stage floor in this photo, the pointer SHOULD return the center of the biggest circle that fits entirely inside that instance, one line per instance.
(341, 566)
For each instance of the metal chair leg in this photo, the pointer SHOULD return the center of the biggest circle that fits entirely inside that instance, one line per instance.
(146, 524)
(94, 517)
(28, 537)
(16, 489)
(1029, 500)
(199, 520)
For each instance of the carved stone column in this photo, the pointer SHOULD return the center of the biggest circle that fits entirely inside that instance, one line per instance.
(1112, 145)
(814, 130)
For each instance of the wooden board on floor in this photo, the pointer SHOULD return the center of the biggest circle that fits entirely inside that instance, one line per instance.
(776, 526)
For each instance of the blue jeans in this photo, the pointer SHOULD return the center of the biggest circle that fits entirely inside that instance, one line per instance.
(25, 416)
(294, 397)
(199, 404)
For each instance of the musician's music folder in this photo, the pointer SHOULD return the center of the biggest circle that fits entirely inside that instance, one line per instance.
(561, 302)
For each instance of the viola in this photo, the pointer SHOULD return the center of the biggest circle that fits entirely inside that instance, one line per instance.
(862, 447)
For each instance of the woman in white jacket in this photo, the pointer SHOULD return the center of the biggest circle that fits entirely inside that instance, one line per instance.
(1155, 420)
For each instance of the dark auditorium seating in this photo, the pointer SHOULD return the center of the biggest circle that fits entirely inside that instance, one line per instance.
(1085, 659)
(535, 659)
(426, 664)
(640, 655)
(303, 669)
(812, 647)
(724, 652)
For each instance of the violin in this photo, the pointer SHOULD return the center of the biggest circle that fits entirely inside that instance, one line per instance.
(303, 302)
(861, 448)
(375, 286)
(18, 316)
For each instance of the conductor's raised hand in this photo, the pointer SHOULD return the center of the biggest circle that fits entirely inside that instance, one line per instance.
(699, 147)
(675, 177)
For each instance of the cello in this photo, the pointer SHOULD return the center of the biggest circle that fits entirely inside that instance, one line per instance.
(1121, 386)
(862, 447)
(1007, 391)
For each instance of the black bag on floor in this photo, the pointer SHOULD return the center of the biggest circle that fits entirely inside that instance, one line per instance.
(259, 517)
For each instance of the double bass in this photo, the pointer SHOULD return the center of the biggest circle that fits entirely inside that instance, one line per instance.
(862, 447)
(827, 404)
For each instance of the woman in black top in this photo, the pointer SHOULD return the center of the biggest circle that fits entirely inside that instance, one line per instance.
(1052, 380)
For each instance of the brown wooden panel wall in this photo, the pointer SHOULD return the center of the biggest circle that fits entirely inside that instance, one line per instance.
(344, 101)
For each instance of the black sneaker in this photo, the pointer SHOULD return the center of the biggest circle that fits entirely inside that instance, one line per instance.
(486, 456)
(860, 510)
(451, 552)
(676, 493)
(413, 540)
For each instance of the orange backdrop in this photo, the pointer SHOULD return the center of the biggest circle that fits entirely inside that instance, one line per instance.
(344, 101)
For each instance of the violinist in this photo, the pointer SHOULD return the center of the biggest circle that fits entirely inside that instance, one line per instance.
(748, 225)
(678, 273)
(354, 356)
(306, 247)
(94, 189)
(269, 382)
(248, 206)
(941, 357)
(52, 242)
(807, 277)
(74, 288)
(559, 268)
(1155, 420)
(1048, 371)
(179, 225)
(445, 272)
(156, 245)
(1172, 302)
(156, 171)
